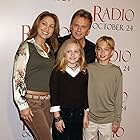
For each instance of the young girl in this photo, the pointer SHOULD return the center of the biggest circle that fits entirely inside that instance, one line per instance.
(68, 89)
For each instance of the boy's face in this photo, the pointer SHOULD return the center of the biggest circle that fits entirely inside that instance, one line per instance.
(104, 52)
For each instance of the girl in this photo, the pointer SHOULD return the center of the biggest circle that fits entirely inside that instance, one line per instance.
(33, 64)
(68, 89)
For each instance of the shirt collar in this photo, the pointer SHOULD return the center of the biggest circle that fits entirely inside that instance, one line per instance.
(73, 73)
(39, 49)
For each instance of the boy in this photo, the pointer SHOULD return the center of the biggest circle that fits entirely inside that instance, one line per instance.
(104, 93)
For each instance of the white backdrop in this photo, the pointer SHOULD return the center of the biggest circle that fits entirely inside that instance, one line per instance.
(119, 19)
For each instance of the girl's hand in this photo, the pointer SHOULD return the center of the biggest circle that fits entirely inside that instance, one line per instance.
(85, 119)
(60, 126)
(26, 114)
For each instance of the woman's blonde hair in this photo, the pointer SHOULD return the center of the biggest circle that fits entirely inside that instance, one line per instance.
(60, 59)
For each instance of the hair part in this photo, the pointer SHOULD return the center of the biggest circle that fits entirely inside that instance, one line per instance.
(109, 40)
(82, 13)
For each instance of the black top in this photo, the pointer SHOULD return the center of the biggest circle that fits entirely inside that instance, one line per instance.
(89, 48)
(68, 91)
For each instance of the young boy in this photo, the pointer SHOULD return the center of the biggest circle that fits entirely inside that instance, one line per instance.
(104, 93)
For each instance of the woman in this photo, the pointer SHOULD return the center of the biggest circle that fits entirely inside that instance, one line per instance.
(32, 68)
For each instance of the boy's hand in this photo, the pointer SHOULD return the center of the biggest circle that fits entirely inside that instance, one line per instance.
(115, 127)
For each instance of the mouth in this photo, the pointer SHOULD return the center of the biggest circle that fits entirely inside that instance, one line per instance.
(73, 58)
(78, 34)
(102, 56)
(46, 33)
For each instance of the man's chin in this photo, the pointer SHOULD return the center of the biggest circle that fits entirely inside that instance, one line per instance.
(78, 38)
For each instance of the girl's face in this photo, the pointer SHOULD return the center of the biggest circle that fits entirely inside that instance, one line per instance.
(72, 54)
(104, 53)
(46, 27)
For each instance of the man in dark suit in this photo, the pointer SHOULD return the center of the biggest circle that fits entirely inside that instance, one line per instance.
(80, 27)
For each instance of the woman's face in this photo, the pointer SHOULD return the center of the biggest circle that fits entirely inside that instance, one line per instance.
(46, 27)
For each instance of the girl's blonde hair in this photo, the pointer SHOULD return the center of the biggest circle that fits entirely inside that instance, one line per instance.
(60, 60)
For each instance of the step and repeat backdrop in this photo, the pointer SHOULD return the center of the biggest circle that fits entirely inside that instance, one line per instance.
(118, 19)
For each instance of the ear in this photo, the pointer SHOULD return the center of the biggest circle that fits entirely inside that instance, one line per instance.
(112, 52)
(96, 51)
(70, 27)
(87, 32)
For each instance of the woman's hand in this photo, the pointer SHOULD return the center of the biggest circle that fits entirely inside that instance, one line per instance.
(26, 114)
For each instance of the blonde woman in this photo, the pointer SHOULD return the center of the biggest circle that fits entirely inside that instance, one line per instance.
(68, 89)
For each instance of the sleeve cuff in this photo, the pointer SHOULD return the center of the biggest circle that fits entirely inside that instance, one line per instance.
(87, 109)
(55, 109)
(23, 106)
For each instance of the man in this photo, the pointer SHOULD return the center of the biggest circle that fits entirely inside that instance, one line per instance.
(80, 27)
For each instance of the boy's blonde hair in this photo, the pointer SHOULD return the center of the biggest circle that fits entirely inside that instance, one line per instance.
(109, 40)
(60, 60)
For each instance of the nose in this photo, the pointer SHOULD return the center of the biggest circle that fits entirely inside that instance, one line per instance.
(79, 28)
(102, 51)
(72, 53)
(47, 28)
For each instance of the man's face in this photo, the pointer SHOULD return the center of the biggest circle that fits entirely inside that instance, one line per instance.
(79, 28)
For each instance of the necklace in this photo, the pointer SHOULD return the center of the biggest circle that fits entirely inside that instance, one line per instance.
(74, 67)
(42, 45)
